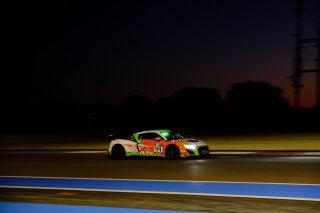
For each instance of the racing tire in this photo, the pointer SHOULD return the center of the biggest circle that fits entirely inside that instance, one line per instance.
(172, 153)
(118, 152)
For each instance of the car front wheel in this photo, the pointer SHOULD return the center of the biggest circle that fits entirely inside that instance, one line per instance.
(172, 153)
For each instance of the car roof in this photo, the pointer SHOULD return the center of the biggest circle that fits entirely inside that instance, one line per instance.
(155, 131)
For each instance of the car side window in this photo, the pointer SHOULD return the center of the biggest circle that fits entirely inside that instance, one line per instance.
(149, 135)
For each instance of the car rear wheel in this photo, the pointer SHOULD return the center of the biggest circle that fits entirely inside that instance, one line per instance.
(172, 153)
(118, 152)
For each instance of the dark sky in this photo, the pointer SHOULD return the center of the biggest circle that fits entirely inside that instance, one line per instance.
(84, 51)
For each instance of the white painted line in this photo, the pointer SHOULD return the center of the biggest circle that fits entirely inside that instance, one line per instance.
(159, 192)
(86, 152)
(230, 153)
(310, 153)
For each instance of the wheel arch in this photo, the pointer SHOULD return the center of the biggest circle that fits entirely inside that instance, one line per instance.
(172, 145)
(117, 145)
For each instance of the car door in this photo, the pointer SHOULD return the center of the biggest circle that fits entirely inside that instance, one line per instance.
(147, 142)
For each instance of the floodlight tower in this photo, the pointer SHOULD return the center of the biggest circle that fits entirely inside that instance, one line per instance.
(296, 77)
(298, 61)
(318, 69)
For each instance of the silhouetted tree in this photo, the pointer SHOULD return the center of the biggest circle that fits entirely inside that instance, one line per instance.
(53, 115)
(97, 116)
(136, 103)
(191, 104)
(254, 96)
(257, 106)
(136, 110)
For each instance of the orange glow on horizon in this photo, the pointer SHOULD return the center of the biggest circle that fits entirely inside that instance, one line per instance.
(307, 93)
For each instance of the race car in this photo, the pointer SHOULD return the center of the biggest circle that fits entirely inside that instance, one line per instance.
(159, 142)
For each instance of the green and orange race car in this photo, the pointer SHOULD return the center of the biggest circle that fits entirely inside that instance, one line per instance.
(159, 142)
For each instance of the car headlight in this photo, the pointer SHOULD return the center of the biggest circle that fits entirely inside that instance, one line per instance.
(190, 146)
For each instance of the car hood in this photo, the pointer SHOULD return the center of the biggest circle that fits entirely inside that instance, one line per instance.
(192, 141)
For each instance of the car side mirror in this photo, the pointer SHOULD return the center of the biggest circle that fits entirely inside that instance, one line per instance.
(157, 139)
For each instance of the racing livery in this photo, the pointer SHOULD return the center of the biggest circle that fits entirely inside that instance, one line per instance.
(160, 142)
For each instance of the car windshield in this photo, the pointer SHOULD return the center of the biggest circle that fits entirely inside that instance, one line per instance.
(170, 135)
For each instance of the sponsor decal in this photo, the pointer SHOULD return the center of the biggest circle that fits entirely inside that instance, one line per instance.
(158, 148)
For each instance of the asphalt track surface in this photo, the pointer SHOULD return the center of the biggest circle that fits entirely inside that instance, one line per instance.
(43, 156)
(225, 168)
